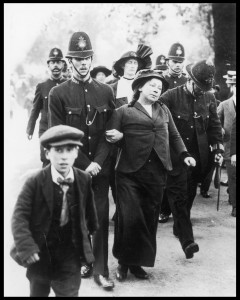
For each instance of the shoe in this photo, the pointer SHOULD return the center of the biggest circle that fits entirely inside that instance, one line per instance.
(175, 232)
(121, 273)
(138, 272)
(224, 183)
(205, 194)
(233, 214)
(163, 218)
(229, 201)
(104, 282)
(86, 271)
(190, 249)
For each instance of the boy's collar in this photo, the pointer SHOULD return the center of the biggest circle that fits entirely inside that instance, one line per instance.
(55, 174)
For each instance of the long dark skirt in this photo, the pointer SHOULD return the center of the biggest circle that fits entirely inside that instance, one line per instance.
(139, 196)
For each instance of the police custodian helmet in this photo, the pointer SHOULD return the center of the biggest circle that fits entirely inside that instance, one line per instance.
(55, 54)
(176, 52)
(161, 63)
(79, 46)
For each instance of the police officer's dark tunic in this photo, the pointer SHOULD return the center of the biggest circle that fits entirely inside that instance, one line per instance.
(88, 106)
(40, 105)
(140, 178)
(199, 126)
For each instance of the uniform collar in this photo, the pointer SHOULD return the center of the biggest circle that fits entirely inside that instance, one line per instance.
(59, 79)
(77, 81)
(56, 175)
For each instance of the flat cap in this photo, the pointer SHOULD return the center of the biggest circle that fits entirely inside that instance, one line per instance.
(61, 135)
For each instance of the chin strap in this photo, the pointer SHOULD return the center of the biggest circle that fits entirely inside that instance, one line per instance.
(77, 70)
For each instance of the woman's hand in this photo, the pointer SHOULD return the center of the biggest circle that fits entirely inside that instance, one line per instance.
(113, 135)
(233, 160)
(190, 161)
(32, 259)
(93, 169)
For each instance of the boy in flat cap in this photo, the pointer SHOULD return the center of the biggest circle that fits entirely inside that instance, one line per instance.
(53, 217)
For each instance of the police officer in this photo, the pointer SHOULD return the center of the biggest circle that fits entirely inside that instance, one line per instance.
(161, 63)
(175, 77)
(87, 104)
(194, 111)
(40, 103)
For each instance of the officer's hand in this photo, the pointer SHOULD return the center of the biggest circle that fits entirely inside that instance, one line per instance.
(223, 131)
(113, 135)
(190, 161)
(32, 259)
(218, 158)
(93, 169)
(29, 136)
(233, 160)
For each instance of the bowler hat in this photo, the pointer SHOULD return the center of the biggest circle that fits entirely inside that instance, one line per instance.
(79, 46)
(126, 56)
(61, 135)
(146, 73)
(55, 54)
(161, 63)
(231, 77)
(103, 69)
(202, 73)
(176, 52)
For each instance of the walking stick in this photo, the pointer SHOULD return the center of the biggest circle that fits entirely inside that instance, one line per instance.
(217, 179)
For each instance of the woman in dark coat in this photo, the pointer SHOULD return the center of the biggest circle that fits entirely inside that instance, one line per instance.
(144, 131)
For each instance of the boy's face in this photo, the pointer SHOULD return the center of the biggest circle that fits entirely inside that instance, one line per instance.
(62, 157)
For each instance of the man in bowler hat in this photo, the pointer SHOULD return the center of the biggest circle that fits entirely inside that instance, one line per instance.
(87, 104)
(40, 103)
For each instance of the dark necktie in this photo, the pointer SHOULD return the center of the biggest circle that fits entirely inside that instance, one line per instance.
(64, 184)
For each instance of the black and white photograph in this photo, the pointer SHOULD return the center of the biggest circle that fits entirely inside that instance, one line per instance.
(119, 149)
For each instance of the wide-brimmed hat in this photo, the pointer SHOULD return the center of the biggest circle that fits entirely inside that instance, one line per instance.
(103, 69)
(231, 77)
(61, 135)
(79, 46)
(146, 73)
(126, 56)
(161, 63)
(55, 54)
(176, 52)
(202, 73)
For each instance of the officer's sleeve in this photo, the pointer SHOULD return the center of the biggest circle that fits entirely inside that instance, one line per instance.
(104, 148)
(36, 108)
(214, 129)
(233, 139)
(220, 112)
(20, 223)
(166, 99)
(56, 114)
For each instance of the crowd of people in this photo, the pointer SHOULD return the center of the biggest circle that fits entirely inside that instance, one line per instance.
(148, 133)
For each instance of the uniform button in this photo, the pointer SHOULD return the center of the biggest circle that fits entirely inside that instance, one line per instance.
(178, 117)
(45, 97)
(175, 82)
(56, 83)
(187, 138)
(86, 90)
(89, 138)
(191, 126)
(69, 112)
(90, 153)
(104, 109)
(195, 100)
(149, 160)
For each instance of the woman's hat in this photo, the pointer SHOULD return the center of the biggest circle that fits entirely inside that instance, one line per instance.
(103, 69)
(146, 73)
(202, 73)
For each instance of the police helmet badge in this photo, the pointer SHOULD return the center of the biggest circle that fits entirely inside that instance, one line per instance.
(179, 51)
(162, 60)
(55, 52)
(81, 43)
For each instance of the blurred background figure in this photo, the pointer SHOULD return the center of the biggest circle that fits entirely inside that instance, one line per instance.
(113, 77)
(67, 71)
(55, 64)
(227, 113)
(161, 63)
(100, 73)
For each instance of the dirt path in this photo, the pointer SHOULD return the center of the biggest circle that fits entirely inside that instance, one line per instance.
(212, 271)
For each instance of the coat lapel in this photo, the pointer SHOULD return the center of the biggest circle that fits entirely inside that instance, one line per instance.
(231, 108)
(47, 187)
(142, 109)
(156, 108)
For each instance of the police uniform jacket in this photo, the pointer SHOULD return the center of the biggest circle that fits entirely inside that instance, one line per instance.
(34, 209)
(227, 112)
(196, 120)
(86, 106)
(40, 105)
(174, 81)
(142, 134)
